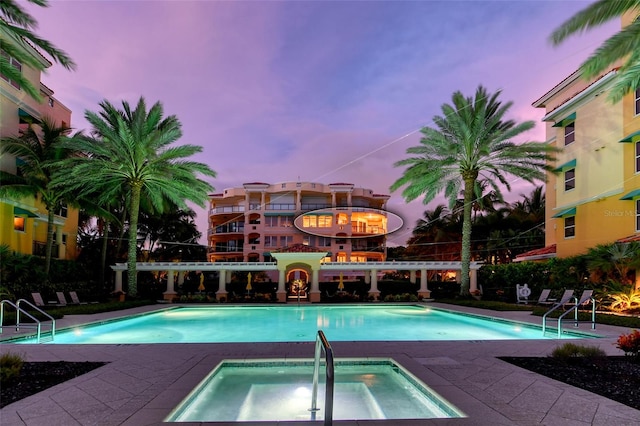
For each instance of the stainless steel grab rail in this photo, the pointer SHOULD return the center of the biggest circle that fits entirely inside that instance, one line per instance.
(323, 343)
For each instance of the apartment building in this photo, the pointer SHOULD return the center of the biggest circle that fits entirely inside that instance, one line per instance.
(23, 224)
(248, 223)
(594, 195)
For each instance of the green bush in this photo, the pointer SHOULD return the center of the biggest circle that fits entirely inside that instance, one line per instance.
(10, 366)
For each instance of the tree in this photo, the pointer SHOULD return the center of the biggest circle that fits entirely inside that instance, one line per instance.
(131, 150)
(623, 46)
(471, 141)
(16, 32)
(39, 153)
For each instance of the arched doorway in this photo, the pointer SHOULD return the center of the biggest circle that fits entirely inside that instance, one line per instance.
(298, 281)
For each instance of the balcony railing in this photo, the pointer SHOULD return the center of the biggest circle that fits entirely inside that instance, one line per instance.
(228, 209)
(275, 206)
(40, 249)
(228, 228)
(307, 206)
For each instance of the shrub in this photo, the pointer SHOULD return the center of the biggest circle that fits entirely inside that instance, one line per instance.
(10, 366)
(571, 351)
(624, 301)
(630, 344)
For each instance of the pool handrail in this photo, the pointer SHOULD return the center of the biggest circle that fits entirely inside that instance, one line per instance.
(323, 343)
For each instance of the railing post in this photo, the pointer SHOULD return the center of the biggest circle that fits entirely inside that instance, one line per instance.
(323, 343)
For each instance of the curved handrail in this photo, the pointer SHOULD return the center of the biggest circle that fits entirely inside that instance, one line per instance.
(574, 308)
(53, 321)
(323, 343)
(18, 310)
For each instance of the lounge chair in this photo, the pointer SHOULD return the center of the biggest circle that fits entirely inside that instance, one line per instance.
(544, 299)
(584, 300)
(39, 301)
(76, 300)
(522, 293)
(62, 301)
(565, 298)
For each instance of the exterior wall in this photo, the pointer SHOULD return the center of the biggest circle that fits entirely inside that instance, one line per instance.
(14, 105)
(247, 224)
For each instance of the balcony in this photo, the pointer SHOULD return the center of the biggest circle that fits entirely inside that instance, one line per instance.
(275, 206)
(40, 249)
(309, 207)
(229, 228)
(228, 209)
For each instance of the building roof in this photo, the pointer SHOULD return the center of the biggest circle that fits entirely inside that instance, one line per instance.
(629, 239)
(537, 254)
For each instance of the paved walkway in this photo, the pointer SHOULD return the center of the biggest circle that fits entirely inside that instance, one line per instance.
(143, 383)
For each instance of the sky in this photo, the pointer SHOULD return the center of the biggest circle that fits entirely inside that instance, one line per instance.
(311, 91)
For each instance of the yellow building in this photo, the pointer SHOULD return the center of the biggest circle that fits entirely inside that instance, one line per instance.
(23, 224)
(594, 196)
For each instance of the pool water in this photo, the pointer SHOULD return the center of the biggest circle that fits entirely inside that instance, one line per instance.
(276, 390)
(237, 324)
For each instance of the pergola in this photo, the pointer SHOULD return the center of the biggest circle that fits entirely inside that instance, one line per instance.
(310, 261)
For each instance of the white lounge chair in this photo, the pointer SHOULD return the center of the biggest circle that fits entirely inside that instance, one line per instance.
(544, 299)
(565, 298)
(584, 300)
(39, 301)
(62, 301)
(76, 300)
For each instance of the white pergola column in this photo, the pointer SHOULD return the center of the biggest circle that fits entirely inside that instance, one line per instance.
(61, 248)
(118, 282)
(282, 286)
(373, 291)
(412, 276)
(170, 293)
(314, 293)
(473, 280)
(222, 284)
(424, 291)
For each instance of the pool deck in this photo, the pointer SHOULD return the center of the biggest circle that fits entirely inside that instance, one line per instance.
(142, 383)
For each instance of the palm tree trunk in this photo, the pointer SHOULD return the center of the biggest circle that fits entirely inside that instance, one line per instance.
(469, 183)
(49, 247)
(132, 257)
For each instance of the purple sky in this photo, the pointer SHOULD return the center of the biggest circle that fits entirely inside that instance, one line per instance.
(318, 91)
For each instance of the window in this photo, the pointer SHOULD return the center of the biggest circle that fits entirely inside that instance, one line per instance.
(270, 241)
(14, 63)
(310, 221)
(51, 102)
(638, 215)
(569, 179)
(285, 221)
(637, 101)
(324, 221)
(63, 211)
(271, 221)
(570, 227)
(570, 133)
(638, 157)
(323, 242)
(18, 223)
(286, 241)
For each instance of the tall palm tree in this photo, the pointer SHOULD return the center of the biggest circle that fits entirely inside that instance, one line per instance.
(132, 150)
(471, 141)
(16, 27)
(624, 45)
(40, 153)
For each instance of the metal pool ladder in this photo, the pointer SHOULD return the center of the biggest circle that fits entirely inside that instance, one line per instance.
(37, 324)
(323, 343)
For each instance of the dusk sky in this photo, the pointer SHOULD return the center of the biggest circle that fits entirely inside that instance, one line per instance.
(318, 91)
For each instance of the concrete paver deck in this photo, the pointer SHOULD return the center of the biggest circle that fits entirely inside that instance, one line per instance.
(142, 383)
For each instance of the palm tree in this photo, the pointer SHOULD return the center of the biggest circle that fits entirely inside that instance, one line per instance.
(40, 153)
(131, 150)
(624, 45)
(471, 141)
(16, 31)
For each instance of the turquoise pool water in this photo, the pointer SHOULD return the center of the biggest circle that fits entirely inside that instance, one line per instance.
(278, 390)
(236, 324)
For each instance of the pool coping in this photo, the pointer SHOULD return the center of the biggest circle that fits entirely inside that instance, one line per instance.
(142, 383)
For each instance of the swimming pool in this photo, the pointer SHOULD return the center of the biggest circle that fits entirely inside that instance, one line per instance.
(281, 390)
(254, 324)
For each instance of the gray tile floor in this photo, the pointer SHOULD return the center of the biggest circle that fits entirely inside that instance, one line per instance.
(142, 383)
